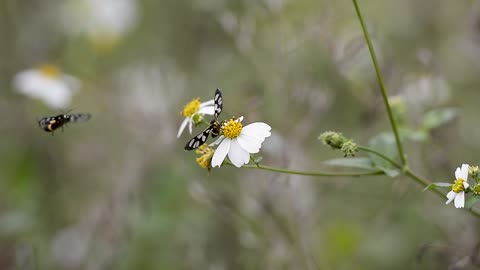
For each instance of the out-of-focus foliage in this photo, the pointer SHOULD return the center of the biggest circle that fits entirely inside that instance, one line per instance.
(119, 192)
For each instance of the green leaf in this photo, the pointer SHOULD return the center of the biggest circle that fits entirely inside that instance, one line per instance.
(438, 117)
(438, 184)
(471, 201)
(362, 163)
(413, 135)
(385, 144)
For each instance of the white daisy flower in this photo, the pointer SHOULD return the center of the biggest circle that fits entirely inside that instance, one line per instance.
(48, 84)
(460, 185)
(239, 142)
(193, 110)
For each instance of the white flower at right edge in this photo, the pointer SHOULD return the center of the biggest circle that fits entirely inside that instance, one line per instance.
(460, 185)
(239, 141)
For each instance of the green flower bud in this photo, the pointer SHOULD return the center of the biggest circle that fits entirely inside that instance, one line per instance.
(476, 189)
(197, 119)
(473, 171)
(349, 148)
(334, 139)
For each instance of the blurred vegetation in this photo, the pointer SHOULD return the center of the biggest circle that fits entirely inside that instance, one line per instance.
(119, 192)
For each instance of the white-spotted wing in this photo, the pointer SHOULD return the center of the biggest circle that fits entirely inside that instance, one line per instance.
(218, 103)
(78, 117)
(198, 140)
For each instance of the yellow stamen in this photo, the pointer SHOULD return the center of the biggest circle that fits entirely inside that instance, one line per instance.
(50, 71)
(191, 108)
(458, 185)
(206, 156)
(232, 128)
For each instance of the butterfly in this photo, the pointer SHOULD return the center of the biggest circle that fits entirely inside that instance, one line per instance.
(214, 128)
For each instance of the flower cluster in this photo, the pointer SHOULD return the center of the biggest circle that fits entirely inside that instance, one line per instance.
(235, 140)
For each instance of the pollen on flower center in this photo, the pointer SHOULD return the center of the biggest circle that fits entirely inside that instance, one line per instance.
(232, 129)
(50, 71)
(458, 185)
(191, 108)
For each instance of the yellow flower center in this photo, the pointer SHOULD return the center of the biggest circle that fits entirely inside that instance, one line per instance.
(191, 108)
(232, 129)
(458, 185)
(50, 71)
(206, 156)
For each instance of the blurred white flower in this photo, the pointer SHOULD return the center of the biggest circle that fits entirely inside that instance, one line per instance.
(48, 84)
(458, 189)
(104, 22)
(239, 142)
(193, 112)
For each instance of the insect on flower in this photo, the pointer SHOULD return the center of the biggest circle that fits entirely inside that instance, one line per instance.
(50, 124)
(215, 127)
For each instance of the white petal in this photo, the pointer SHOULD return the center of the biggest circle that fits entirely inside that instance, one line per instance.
(250, 144)
(207, 110)
(464, 172)
(182, 126)
(217, 141)
(221, 152)
(465, 185)
(460, 200)
(190, 125)
(207, 103)
(458, 173)
(237, 154)
(259, 130)
(451, 195)
(240, 119)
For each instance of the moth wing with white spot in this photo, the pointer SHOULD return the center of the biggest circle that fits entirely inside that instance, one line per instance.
(198, 140)
(218, 103)
(79, 117)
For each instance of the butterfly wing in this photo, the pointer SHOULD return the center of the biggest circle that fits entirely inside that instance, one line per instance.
(78, 117)
(198, 140)
(218, 103)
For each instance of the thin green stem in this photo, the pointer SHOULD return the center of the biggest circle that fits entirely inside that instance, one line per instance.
(316, 174)
(381, 85)
(422, 181)
(375, 152)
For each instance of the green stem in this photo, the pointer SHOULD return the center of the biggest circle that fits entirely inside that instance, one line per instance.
(317, 174)
(381, 85)
(422, 181)
(375, 152)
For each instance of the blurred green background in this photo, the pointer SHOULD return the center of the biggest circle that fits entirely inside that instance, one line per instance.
(119, 192)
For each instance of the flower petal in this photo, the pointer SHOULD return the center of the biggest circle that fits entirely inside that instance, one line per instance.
(217, 141)
(221, 152)
(451, 195)
(182, 127)
(249, 144)
(207, 103)
(237, 154)
(207, 110)
(258, 130)
(460, 200)
(464, 171)
(190, 125)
